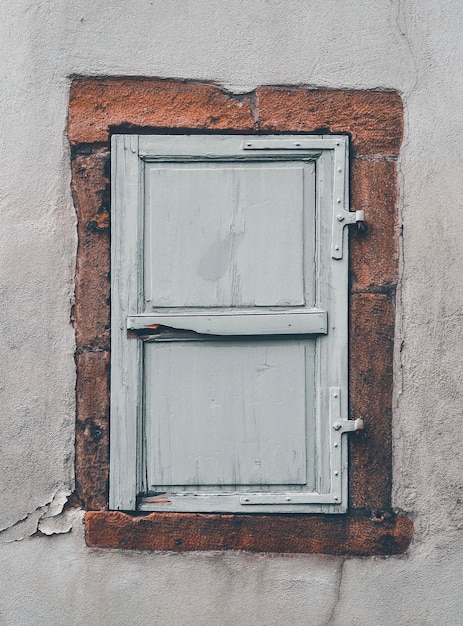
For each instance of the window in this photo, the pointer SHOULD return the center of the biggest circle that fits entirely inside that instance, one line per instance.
(229, 379)
(373, 121)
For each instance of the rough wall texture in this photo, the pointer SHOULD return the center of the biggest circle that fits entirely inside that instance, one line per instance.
(409, 46)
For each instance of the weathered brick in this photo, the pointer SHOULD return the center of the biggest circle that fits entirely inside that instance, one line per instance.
(370, 374)
(92, 429)
(90, 187)
(180, 532)
(374, 119)
(96, 105)
(373, 256)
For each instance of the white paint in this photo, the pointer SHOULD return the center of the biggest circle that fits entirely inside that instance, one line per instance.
(410, 45)
(228, 404)
(205, 408)
(47, 518)
(241, 322)
(219, 231)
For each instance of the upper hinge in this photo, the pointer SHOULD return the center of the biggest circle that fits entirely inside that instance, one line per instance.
(341, 219)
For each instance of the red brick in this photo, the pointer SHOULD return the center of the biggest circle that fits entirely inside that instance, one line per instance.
(370, 386)
(90, 189)
(179, 532)
(96, 105)
(374, 119)
(373, 255)
(92, 429)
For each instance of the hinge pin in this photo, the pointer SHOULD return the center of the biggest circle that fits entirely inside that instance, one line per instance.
(360, 219)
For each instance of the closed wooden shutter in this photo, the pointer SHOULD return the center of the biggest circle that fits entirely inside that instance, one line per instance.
(229, 323)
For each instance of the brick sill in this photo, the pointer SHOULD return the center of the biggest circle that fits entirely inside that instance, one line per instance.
(183, 532)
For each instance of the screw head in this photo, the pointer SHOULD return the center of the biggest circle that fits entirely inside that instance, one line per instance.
(336, 426)
(340, 217)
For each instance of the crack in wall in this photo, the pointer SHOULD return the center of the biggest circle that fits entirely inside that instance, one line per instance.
(337, 597)
(399, 339)
(48, 518)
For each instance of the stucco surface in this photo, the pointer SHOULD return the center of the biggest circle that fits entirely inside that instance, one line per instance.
(60, 581)
(410, 46)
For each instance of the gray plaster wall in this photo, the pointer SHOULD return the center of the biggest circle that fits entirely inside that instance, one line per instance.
(413, 46)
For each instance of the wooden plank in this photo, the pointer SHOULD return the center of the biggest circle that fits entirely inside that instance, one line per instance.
(231, 234)
(223, 146)
(235, 503)
(226, 413)
(251, 322)
(125, 352)
(316, 293)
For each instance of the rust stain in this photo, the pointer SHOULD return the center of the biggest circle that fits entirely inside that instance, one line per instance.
(158, 500)
(102, 220)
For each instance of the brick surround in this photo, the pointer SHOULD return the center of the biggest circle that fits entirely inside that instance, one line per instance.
(374, 121)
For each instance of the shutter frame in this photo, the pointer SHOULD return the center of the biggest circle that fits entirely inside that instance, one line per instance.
(130, 154)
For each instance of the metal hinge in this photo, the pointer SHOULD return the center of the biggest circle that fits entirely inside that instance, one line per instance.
(339, 424)
(341, 219)
(348, 426)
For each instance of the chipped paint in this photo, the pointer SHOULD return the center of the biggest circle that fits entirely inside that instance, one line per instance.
(48, 518)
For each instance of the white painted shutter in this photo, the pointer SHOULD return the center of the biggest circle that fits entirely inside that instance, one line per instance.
(229, 323)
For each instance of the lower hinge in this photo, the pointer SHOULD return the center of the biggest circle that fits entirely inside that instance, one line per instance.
(339, 424)
(348, 426)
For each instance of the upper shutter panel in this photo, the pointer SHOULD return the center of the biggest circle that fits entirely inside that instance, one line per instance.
(226, 234)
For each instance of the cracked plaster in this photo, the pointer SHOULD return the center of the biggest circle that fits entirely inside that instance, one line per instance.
(410, 46)
(48, 519)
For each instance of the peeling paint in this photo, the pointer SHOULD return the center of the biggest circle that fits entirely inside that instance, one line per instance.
(58, 524)
(47, 519)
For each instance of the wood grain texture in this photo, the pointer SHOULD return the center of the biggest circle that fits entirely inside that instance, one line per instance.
(283, 321)
(199, 222)
(125, 293)
(226, 413)
(231, 234)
